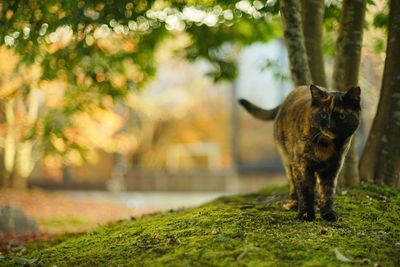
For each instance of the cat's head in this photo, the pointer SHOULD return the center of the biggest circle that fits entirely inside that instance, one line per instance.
(335, 114)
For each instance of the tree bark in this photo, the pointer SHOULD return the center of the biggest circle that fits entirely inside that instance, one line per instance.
(312, 16)
(380, 161)
(345, 74)
(294, 39)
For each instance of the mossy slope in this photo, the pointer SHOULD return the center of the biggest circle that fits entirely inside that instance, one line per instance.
(250, 230)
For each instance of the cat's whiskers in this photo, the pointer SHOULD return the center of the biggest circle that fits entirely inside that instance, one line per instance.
(316, 137)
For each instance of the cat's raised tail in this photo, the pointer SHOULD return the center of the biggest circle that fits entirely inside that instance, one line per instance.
(259, 113)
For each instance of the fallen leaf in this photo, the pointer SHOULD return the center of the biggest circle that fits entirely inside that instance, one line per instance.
(25, 261)
(216, 231)
(241, 255)
(341, 257)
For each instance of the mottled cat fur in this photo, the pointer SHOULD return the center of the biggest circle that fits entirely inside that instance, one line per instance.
(313, 128)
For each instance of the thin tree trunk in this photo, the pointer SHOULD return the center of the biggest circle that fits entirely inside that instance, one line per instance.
(68, 175)
(2, 170)
(312, 16)
(2, 167)
(380, 161)
(345, 74)
(9, 145)
(118, 183)
(294, 39)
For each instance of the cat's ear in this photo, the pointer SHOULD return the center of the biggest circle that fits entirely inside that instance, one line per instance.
(352, 97)
(317, 95)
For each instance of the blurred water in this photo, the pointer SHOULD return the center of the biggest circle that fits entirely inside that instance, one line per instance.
(148, 200)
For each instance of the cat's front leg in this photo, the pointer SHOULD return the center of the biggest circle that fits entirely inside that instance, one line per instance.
(326, 188)
(305, 193)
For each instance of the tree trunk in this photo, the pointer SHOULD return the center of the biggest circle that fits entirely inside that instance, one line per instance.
(294, 39)
(117, 183)
(312, 16)
(2, 170)
(380, 161)
(2, 141)
(9, 145)
(345, 74)
(68, 175)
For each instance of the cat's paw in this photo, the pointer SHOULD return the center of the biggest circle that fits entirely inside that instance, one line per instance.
(330, 216)
(290, 204)
(306, 216)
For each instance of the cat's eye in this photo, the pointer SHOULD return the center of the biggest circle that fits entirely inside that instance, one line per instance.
(323, 115)
(342, 116)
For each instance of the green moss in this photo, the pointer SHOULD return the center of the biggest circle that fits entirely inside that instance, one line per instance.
(54, 240)
(64, 222)
(249, 230)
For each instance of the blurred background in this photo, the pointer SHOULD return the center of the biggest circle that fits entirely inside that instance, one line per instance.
(119, 109)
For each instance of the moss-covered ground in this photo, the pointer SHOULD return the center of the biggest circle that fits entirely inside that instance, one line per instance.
(247, 230)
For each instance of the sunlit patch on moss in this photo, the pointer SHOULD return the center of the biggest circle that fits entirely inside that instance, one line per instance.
(68, 224)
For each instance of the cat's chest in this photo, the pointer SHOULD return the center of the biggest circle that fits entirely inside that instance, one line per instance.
(324, 150)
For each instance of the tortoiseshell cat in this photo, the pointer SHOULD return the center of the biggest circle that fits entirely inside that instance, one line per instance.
(313, 128)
